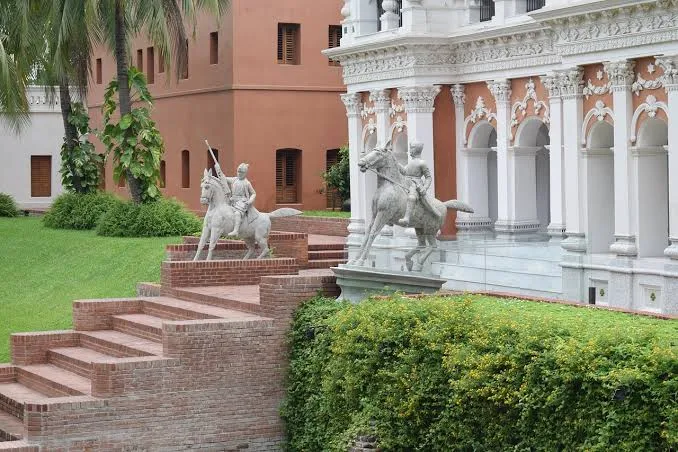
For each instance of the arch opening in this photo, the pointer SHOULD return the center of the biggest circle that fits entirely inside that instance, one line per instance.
(600, 187)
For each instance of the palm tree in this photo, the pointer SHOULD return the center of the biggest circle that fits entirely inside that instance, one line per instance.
(163, 22)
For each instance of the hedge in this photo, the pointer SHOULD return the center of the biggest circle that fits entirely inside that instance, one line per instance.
(8, 206)
(477, 373)
(78, 211)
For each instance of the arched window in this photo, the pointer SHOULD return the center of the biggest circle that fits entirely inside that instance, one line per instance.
(287, 176)
(163, 174)
(185, 169)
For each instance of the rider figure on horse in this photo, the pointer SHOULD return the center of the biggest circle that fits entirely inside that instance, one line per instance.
(242, 194)
(415, 169)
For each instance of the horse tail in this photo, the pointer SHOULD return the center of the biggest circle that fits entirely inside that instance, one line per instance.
(458, 205)
(284, 212)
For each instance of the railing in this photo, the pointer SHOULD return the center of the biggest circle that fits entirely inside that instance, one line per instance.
(533, 5)
(380, 12)
(486, 10)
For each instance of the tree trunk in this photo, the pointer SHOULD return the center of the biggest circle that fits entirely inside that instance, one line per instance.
(124, 101)
(70, 132)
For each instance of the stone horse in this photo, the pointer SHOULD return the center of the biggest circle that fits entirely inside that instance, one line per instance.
(220, 219)
(390, 202)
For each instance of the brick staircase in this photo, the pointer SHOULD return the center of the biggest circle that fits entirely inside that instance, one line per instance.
(177, 367)
(326, 255)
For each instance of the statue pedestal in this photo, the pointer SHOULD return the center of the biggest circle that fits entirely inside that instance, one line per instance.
(358, 283)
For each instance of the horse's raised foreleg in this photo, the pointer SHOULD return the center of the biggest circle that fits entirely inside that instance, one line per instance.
(421, 244)
(377, 225)
(214, 238)
(201, 244)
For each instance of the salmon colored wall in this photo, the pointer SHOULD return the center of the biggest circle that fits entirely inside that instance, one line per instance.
(444, 143)
(395, 100)
(659, 94)
(590, 73)
(267, 121)
(473, 91)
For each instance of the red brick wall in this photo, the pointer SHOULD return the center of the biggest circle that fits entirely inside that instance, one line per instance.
(223, 273)
(312, 225)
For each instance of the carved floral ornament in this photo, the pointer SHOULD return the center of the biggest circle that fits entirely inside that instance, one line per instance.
(479, 112)
(522, 107)
(650, 106)
(600, 111)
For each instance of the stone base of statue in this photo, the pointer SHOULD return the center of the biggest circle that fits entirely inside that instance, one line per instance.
(358, 283)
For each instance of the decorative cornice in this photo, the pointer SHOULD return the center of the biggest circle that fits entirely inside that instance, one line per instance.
(620, 74)
(459, 95)
(599, 112)
(480, 111)
(501, 90)
(521, 106)
(650, 106)
(353, 103)
(418, 99)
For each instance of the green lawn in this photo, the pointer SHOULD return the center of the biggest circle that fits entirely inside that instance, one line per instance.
(327, 213)
(43, 270)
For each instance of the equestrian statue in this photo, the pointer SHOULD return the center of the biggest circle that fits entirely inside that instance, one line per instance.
(230, 211)
(401, 198)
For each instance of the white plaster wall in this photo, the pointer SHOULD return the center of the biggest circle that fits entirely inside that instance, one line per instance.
(543, 189)
(600, 193)
(653, 205)
(43, 136)
(492, 183)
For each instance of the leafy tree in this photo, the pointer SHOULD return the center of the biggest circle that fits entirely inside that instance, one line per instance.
(338, 176)
(79, 161)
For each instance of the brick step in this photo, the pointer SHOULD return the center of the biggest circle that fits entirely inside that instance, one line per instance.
(142, 325)
(11, 428)
(18, 446)
(244, 299)
(119, 344)
(175, 309)
(326, 246)
(325, 263)
(327, 254)
(14, 395)
(75, 359)
(53, 381)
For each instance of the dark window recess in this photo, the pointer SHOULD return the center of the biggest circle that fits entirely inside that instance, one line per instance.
(287, 165)
(140, 60)
(184, 73)
(334, 40)
(163, 174)
(99, 71)
(41, 176)
(102, 175)
(486, 10)
(288, 44)
(380, 12)
(333, 199)
(214, 47)
(150, 65)
(185, 169)
(533, 5)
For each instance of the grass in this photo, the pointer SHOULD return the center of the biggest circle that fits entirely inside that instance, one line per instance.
(43, 270)
(326, 213)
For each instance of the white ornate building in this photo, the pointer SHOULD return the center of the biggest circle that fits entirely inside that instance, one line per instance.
(556, 120)
(30, 161)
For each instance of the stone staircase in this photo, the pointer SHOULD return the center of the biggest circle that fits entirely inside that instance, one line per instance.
(177, 367)
(326, 255)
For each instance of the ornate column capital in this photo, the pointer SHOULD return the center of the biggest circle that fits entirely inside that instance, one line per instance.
(552, 84)
(669, 78)
(381, 99)
(459, 95)
(571, 83)
(620, 74)
(419, 99)
(353, 103)
(501, 90)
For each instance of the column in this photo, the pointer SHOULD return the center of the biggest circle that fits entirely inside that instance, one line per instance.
(557, 227)
(670, 79)
(621, 77)
(390, 19)
(459, 99)
(414, 16)
(501, 90)
(352, 101)
(418, 101)
(571, 85)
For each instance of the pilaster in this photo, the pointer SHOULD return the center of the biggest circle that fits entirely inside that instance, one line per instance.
(556, 228)
(352, 102)
(414, 16)
(571, 90)
(621, 76)
(418, 101)
(501, 90)
(670, 80)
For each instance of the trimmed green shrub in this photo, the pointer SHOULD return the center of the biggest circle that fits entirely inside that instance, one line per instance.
(8, 207)
(166, 217)
(78, 211)
(477, 373)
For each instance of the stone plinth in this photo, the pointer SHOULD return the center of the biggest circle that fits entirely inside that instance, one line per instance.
(358, 283)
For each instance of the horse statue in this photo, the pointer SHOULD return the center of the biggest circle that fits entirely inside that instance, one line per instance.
(220, 219)
(389, 204)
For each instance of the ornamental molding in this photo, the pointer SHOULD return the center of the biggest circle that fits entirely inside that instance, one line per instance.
(396, 109)
(571, 83)
(480, 111)
(620, 74)
(381, 99)
(501, 90)
(398, 125)
(418, 99)
(366, 110)
(552, 84)
(459, 95)
(522, 107)
(597, 90)
(370, 127)
(650, 106)
(641, 84)
(599, 112)
(670, 73)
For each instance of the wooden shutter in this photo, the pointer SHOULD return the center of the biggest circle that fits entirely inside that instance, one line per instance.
(286, 176)
(334, 39)
(41, 176)
(288, 43)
